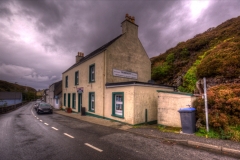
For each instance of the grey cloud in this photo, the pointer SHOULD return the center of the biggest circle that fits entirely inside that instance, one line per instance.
(48, 13)
(71, 26)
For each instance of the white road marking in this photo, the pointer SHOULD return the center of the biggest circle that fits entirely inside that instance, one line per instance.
(54, 128)
(40, 120)
(68, 135)
(37, 118)
(89, 145)
(46, 124)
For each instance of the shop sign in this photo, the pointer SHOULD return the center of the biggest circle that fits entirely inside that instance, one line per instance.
(125, 74)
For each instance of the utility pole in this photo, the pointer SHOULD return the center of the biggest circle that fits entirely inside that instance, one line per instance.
(206, 105)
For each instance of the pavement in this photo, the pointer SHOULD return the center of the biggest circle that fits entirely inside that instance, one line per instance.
(151, 131)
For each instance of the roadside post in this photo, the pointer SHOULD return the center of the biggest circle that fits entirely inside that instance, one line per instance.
(206, 105)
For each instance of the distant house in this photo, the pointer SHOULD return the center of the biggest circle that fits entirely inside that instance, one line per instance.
(55, 94)
(113, 81)
(45, 95)
(10, 98)
(58, 95)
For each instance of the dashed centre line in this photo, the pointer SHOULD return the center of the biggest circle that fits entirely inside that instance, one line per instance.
(54, 128)
(89, 145)
(40, 120)
(46, 124)
(68, 135)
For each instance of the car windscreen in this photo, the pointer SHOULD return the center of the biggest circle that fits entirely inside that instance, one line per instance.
(45, 106)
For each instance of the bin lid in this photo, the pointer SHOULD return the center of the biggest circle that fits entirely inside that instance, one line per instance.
(187, 110)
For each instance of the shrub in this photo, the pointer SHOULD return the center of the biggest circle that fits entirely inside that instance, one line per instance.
(223, 110)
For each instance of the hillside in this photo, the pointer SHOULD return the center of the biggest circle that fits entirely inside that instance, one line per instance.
(11, 87)
(214, 54)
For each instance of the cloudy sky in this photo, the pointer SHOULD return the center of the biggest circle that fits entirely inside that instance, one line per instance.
(39, 39)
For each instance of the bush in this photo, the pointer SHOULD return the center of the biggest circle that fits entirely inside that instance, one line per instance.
(223, 110)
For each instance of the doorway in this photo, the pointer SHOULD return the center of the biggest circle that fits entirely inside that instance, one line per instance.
(79, 102)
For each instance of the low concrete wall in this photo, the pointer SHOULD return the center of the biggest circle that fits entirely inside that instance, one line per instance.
(168, 105)
(10, 108)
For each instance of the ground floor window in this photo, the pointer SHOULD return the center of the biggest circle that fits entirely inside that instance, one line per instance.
(57, 101)
(91, 101)
(73, 100)
(69, 99)
(64, 99)
(118, 104)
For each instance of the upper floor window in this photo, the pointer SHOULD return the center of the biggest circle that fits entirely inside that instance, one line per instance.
(92, 73)
(76, 78)
(66, 81)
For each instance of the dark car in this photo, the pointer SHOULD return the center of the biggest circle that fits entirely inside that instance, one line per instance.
(37, 104)
(44, 108)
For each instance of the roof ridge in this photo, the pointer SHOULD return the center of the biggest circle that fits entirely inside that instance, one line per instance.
(94, 53)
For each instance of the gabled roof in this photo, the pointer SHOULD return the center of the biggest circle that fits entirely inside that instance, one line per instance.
(94, 53)
(58, 88)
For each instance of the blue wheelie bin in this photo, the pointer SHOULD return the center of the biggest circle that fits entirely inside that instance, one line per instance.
(188, 120)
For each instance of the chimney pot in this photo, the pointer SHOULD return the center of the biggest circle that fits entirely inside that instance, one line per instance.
(79, 56)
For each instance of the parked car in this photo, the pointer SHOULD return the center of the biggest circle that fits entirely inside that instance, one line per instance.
(36, 105)
(44, 108)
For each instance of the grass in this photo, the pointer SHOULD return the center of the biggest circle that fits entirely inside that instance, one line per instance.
(169, 129)
(232, 134)
(203, 133)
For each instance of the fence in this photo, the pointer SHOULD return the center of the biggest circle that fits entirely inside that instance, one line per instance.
(5, 109)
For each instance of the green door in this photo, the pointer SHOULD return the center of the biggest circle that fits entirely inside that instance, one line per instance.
(79, 102)
(69, 99)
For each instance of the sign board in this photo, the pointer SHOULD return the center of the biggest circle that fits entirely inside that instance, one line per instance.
(125, 74)
(80, 90)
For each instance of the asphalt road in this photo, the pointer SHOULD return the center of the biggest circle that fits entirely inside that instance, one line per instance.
(25, 135)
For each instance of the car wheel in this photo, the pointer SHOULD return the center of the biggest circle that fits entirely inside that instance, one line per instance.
(38, 112)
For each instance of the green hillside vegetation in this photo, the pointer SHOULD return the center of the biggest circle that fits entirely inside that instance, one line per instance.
(28, 92)
(214, 53)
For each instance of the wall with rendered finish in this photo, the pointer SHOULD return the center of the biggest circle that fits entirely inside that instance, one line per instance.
(128, 54)
(128, 104)
(146, 97)
(168, 106)
(97, 86)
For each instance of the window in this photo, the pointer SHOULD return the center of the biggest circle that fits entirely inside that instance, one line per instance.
(73, 100)
(118, 104)
(92, 73)
(91, 101)
(66, 81)
(64, 99)
(57, 101)
(69, 99)
(76, 77)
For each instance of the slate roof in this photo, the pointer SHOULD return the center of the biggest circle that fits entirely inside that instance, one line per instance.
(10, 95)
(58, 88)
(94, 53)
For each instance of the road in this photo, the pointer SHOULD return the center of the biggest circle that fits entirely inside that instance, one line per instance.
(24, 135)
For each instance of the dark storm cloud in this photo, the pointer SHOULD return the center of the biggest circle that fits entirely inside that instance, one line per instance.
(48, 13)
(55, 30)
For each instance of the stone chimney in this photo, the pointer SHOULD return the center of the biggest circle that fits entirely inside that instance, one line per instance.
(129, 26)
(79, 56)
